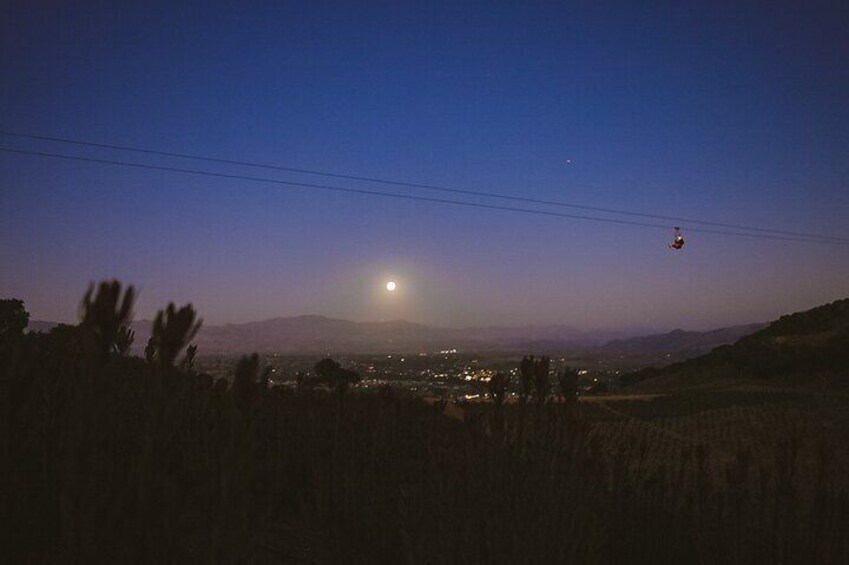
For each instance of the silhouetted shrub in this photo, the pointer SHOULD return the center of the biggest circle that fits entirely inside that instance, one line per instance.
(102, 315)
(172, 331)
(13, 317)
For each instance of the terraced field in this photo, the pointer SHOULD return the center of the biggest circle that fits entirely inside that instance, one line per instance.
(658, 430)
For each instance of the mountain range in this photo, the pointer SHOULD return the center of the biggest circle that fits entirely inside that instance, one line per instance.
(318, 334)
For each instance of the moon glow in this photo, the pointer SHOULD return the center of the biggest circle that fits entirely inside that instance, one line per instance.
(390, 286)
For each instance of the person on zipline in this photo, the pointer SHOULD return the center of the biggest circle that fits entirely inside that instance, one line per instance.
(678, 241)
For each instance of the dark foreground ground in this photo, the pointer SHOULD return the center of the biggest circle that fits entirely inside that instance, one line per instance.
(122, 460)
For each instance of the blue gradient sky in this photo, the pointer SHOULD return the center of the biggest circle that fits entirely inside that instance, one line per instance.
(733, 114)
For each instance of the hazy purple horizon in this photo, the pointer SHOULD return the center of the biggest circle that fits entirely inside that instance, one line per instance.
(629, 330)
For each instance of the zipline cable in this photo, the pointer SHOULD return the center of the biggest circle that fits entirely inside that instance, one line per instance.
(483, 194)
(400, 196)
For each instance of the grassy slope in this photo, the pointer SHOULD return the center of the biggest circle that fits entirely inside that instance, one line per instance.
(808, 348)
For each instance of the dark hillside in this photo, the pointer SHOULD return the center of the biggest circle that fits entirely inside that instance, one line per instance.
(804, 347)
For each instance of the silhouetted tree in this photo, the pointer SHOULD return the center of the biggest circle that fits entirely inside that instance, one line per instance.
(249, 382)
(541, 381)
(325, 368)
(568, 381)
(124, 340)
(151, 350)
(329, 371)
(526, 374)
(498, 388)
(13, 317)
(102, 315)
(244, 381)
(173, 330)
(188, 362)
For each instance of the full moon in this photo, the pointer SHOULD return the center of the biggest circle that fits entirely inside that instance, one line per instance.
(390, 286)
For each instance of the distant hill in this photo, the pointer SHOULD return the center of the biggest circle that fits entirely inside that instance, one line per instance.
(797, 346)
(680, 344)
(318, 334)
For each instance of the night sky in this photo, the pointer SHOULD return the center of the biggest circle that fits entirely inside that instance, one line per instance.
(735, 114)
